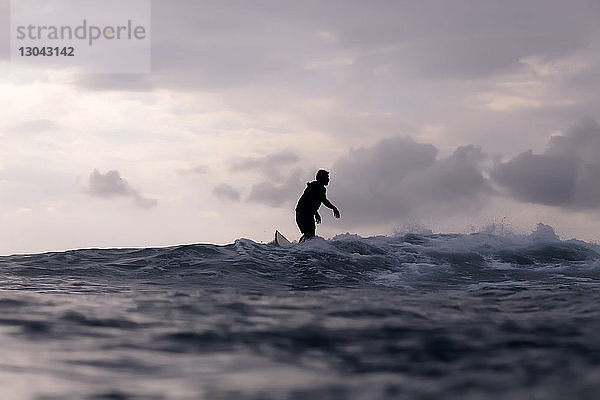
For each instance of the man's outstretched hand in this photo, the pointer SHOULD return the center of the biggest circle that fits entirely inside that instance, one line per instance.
(336, 213)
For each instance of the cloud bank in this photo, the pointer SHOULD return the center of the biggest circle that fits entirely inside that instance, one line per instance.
(200, 45)
(566, 175)
(399, 178)
(395, 179)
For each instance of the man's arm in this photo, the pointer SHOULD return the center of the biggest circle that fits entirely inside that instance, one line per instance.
(336, 212)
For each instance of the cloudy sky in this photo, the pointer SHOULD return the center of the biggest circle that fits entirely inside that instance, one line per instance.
(448, 115)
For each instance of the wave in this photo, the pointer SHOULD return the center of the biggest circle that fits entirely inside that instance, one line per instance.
(403, 260)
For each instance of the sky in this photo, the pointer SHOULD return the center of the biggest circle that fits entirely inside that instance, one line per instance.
(433, 115)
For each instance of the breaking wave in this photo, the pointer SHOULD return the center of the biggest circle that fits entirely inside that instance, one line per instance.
(406, 260)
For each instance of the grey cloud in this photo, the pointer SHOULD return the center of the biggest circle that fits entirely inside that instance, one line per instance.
(472, 39)
(582, 142)
(278, 194)
(224, 44)
(567, 174)
(454, 184)
(111, 184)
(542, 179)
(270, 165)
(393, 180)
(269, 161)
(400, 178)
(219, 45)
(381, 65)
(280, 186)
(227, 192)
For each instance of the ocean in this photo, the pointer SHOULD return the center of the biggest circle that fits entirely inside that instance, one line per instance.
(408, 316)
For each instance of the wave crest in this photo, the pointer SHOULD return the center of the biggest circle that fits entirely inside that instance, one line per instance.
(403, 260)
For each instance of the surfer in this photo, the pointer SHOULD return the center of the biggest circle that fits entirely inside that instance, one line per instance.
(307, 210)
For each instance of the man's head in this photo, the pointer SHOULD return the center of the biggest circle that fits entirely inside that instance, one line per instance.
(323, 177)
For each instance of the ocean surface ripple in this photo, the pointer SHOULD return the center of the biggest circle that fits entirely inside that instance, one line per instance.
(415, 316)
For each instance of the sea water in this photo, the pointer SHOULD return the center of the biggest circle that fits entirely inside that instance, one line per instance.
(410, 316)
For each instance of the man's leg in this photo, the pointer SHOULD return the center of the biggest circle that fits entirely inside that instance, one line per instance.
(306, 224)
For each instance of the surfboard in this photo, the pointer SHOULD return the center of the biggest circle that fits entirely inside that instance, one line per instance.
(281, 240)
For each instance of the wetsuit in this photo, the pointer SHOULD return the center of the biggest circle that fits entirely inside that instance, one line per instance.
(309, 203)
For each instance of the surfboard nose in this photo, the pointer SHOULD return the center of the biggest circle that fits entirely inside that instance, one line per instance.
(281, 240)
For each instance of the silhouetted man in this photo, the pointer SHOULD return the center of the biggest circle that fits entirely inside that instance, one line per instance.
(309, 203)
